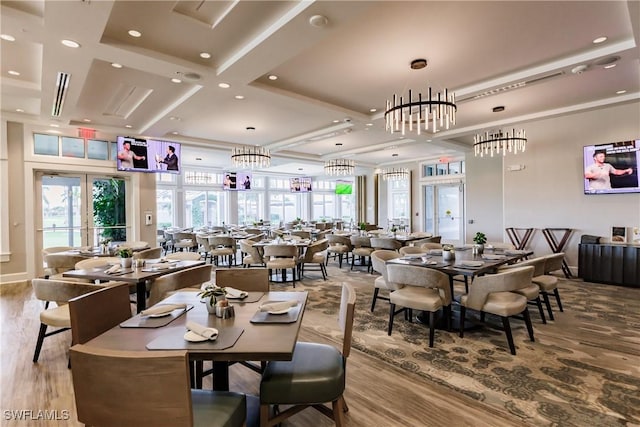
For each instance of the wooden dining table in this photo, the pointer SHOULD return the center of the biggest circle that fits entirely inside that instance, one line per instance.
(138, 276)
(258, 335)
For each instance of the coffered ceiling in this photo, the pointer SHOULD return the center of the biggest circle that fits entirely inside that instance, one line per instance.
(335, 62)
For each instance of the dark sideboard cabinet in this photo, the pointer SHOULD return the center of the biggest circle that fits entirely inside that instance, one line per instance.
(611, 264)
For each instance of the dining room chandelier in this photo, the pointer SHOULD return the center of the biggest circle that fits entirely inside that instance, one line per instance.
(251, 157)
(395, 174)
(339, 167)
(512, 141)
(431, 112)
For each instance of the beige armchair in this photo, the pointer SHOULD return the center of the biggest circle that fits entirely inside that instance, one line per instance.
(549, 283)
(378, 264)
(222, 247)
(361, 249)
(412, 250)
(420, 288)
(58, 263)
(316, 253)
(253, 255)
(339, 246)
(531, 292)
(184, 256)
(495, 294)
(151, 253)
(385, 243)
(282, 257)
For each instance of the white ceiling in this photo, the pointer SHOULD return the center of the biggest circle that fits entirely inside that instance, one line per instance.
(329, 77)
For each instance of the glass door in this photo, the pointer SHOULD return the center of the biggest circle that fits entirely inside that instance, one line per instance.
(444, 211)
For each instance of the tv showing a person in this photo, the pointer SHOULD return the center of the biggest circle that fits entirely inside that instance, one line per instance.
(229, 181)
(171, 159)
(599, 172)
(128, 157)
(247, 183)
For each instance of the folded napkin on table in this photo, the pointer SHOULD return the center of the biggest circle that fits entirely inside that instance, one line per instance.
(278, 306)
(202, 330)
(113, 269)
(234, 293)
(493, 257)
(162, 309)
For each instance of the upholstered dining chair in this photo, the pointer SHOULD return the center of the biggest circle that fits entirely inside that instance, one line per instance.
(339, 246)
(427, 246)
(60, 292)
(184, 241)
(59, 262)
(193, 277)
(549, 283)
(249, 280)
(204, 248)
(412, 250)
(302, 234)
(495, 294)
(420, 288)
(385, 243)
(316, 374)
(253, 255)
(88, 263)
(151, 253)
(361, 249)
(282, 257)
(222, 247)
(378, 264)
(146, 389)
(531, 292)
(316, 254)
(183, 256)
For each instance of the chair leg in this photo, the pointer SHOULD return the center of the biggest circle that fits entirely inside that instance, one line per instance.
(557, 294)
(392, 309)
(375, 296)
(545, 296)
(527, 321)
(340, 261)
(507, 331)
(541, 310)
(41, 335)
(323, 269)
(345, 407)
(432, 321)
(264, 415)
(463, 310)
(338, 417)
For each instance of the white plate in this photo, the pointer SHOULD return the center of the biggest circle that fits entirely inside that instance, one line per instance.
(285, 311)
(193, 337)
(471, 263)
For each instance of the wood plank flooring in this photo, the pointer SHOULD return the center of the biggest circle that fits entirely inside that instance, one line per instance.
(377, 394)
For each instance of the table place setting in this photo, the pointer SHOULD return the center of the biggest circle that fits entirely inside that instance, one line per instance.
(491, 257)
(115, 270)
(157, 316)
(198, 333)
(277, 312)
(470, 264)
(233, 293)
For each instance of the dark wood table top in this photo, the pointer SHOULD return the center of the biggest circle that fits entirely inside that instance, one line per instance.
(132, 274)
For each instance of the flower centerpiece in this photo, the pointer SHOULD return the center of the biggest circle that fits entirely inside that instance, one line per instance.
(212, 293)
(126, 256)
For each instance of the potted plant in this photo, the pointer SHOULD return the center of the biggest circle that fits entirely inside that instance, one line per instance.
(363, 227)
(212, 293)
(479, 239)
(126, 256)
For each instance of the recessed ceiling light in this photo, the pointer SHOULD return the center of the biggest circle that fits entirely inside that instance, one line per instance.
(620, 92)
(13, 73)
(86, 120)
(175, 132)
(606, 67)
(128, 126)
(239, 97)
(174, 118)
(54, 125)
(174, 80)
(57, 132)
(336, 121)
(369, 124)
(7, 37)
(116, 65)
(19, 110)
(429, 140)
(205, 55)
(273, 77)
(134, 33)
(373, 110)
(600, 40)
(70, 43)
(224, 85)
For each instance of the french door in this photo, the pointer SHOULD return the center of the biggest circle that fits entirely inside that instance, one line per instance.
(79, 209)
(444, 211)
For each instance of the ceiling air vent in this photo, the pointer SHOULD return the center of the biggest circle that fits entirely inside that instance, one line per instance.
(62, 84)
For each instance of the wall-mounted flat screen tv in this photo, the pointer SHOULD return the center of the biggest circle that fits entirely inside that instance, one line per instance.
(344, 187)
(612, 168)
(147, 155)
(300, 184)
(237, 181)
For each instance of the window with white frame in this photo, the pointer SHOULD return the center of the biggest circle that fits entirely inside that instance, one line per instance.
(204, 208)
(399, 205)
(250, 206)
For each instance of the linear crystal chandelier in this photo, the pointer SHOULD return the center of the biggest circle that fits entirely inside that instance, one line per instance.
(251, 157)
(395, 174)
(429, 113)
(339, 167)
(512, 141)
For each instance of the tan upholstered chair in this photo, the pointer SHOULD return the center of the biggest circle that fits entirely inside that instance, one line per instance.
(316, 254)
(136, 246)
(361, 249)
(531, 292)
(163, 286)
(57, 263)
(378, 263)
(549, 283)
(339, 246)
(281, 257)
(184, 256)
(60, 292)
(385, 243)
(433, 239)
(314, 376)
(250, 280)
(146, 389)
(96, 312)
(253, 255)
(420, 288)
(184, 241)
(495, 294)
(151, 253)
(301, 234)
(222, 247)
(89, 263)
(412, 250)
(429, 245)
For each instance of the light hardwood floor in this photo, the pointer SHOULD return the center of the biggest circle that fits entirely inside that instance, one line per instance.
(377, 394)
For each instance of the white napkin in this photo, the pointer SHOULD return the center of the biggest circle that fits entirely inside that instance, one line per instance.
(278, 306)
(162, 309)
(113, 269)
(202, 330)
(493, 257)
(234, 293)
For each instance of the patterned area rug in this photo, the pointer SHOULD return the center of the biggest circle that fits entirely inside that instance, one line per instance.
(568, 377)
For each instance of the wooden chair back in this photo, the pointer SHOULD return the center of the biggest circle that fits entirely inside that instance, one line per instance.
(192, 277)
(346, 315)
(244, 279)
(98, 311)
